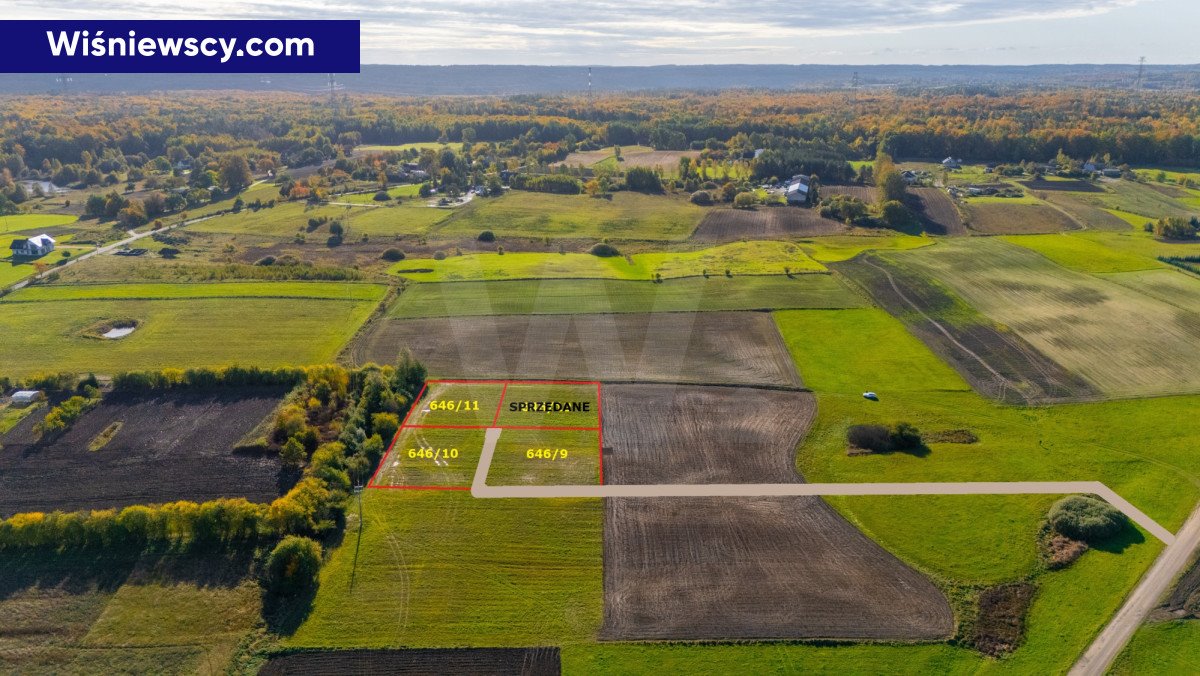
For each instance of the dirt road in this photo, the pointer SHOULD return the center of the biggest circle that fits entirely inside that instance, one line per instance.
(1109, 643)
(480, 489)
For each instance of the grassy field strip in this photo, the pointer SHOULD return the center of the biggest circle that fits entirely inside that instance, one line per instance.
(1084, 255)
(164, 291)
(739, 258)
(1171, 286)
(28, 222)
(554, 296)
(628, 215)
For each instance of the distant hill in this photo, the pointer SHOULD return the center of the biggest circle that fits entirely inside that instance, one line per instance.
(483, 79)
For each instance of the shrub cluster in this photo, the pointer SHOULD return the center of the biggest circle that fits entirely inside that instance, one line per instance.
(881, 439)
(605, 250)
(560, 184)
(1086, 518)
(61, 417)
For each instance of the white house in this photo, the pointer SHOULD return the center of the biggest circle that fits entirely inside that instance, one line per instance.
(33, 247)
(797, 190)
(952, 163)
(23, 398)
(47, 188)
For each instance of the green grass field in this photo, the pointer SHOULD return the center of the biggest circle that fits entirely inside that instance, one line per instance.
(741, 258)
(291, 218)
(1138, 198)
(12, 272)
(315, 290)
(840, 248)
(180, 325)
(1083, 254)
(442, 569)
(409, 190)
(627, 215)
(556, 296)
(29, 222)
(1161, 648)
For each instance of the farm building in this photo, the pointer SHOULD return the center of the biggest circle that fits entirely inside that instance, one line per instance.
(797, 190)
(32, 247)
(23, 398)
(45, 188)
(952, 163)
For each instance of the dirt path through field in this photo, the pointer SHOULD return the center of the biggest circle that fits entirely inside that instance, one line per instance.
(480, 489)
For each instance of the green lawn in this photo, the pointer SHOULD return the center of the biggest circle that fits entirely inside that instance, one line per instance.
(23, 222)
(1083, 254)
(1137, 446)
(411, 218)
(627, 215)
(443, 569)
(741, 258)
(1139, 198)
(12, 272)
(155, 291)
(184, 325)
(556, 296)
(409, 190)
(840, 247)
(288, 219)
(1161, 648)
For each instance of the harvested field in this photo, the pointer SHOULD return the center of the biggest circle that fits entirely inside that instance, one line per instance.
(1064, 185)
(694, 347)
(1123, 342)
(938, 213)
(996, 362)
(699, 435)
(579, 296)
(997, 218)
(727, 225)
(170, 447)
(722, 568)
(665, 159)
(465, 661)
(1173, 287)
(1092, 215)
(865, 193)
(756, 568)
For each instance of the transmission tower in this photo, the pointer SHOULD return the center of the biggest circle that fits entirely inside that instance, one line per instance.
(64, 81)
(1141, 71)
(854, 85)
(589, 82)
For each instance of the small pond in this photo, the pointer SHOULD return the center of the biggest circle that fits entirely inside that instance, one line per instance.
(114, 333)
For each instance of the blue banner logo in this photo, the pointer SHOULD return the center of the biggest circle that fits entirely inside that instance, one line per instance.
(287, 46)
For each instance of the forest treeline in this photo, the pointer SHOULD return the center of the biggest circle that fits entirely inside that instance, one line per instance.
(43, 133)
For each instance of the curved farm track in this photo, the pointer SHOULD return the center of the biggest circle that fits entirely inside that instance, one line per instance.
(739, 568)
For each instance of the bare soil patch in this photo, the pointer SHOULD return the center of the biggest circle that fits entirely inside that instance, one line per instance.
(997, 362)
(728, 225)
(667, 159)
(756, 568)
(702, 347)
(739, 568)
(995, 218)
(466, 661)
(169, 447)
(699, 435)
(938, 214)
(865, 193)
(1185, 598)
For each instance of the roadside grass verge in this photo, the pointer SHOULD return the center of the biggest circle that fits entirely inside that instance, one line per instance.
(1161, 648)
(556, 296)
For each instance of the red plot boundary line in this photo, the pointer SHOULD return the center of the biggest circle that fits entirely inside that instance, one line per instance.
(495, 420)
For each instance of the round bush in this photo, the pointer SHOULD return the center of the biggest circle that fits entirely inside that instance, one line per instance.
(1085, 518)
(605, 251)
(382, 196)
(439, 255)
(293, 565)
(487, 236)
(702, 197)
(392, 255)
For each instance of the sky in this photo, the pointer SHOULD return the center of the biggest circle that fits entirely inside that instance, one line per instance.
(611, 32)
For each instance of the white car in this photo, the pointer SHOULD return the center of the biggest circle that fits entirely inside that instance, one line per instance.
(871, 395)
